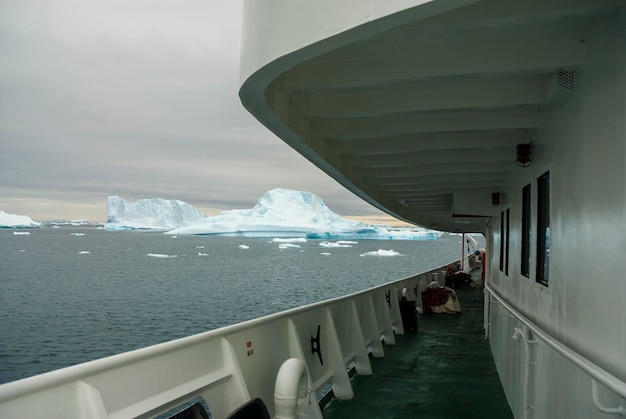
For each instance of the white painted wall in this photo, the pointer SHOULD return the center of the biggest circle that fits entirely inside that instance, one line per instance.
(583, 146)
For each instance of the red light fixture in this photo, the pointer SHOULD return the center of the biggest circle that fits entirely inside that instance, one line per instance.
(495, 199)
(524, 154)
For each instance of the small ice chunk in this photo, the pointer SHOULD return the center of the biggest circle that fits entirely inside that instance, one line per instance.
(202, 254)
(243, 246)
(325, 254)
(336, 244)
(77, 234)
(199, 247)
(21, 233)
(288, 246)
(289, 240)
(381, 252)
(161, 256)
(84, 252)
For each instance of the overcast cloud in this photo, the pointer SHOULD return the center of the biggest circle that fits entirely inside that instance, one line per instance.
(137, 99)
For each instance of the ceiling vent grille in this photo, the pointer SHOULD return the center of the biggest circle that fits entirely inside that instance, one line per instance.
(562, 88)
(567, 80)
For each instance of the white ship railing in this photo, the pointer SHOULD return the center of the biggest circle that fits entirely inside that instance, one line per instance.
(227, 367)
(597, 373)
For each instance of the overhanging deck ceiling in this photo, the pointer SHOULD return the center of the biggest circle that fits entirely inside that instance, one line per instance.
(422, 119)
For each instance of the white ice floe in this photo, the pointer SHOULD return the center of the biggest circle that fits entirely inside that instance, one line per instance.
(84, 252)
(336, 244)
(77, 234)
(288, 246)
(21, 233)
(161, 256)
(289, 240)
(381, 252)
(243, 246)
(325, 254)
(199, 247)
(202, 254)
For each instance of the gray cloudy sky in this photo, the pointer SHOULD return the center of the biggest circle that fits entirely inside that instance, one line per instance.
(138, 99)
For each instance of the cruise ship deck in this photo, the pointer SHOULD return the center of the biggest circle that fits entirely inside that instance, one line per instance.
(443, 371)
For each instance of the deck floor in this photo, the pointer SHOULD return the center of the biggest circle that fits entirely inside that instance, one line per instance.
(443, 371)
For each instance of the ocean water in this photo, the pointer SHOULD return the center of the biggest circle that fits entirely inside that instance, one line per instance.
(70, 295)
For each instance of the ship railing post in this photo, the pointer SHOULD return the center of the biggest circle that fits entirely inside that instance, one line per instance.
(362, 360)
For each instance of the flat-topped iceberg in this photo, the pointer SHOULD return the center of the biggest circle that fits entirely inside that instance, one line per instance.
(150, 214)
(289, 213)
(16, 221)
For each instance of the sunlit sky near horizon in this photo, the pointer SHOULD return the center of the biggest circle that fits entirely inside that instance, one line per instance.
(137, 99)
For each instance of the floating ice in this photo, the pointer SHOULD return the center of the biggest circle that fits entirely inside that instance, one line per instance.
(288, 246)
(289, 240)
(84, 252)
(202, 254)
(199, 247)
(381, 252)
(284, 213)
(279, 213)
(150, 214)
(21, 233)
(77, 234)
(16, 221)
(243, 246)
(325, 254)
(337, 244)
(160, 256)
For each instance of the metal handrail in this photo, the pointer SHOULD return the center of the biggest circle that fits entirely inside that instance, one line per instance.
(594, 370)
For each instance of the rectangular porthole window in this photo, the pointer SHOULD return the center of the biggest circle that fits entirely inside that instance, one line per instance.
(543, 229)
(525, 268)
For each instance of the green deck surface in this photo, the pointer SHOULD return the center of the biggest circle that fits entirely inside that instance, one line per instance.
(445, 370)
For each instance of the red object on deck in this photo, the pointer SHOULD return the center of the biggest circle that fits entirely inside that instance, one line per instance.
(483, 260)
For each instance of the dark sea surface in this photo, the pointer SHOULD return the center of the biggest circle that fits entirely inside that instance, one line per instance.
(59, 307)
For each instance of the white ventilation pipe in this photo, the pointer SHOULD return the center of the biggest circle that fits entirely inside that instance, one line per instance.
(291, 385)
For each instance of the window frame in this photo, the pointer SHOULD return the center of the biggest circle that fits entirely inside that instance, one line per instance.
(502, 232)
(507, 240)
(543, 229)
(526, 230)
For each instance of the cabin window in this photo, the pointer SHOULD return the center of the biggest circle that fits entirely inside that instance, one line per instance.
(508, 230)
(502, 242)
(525, 268)
(543, 229)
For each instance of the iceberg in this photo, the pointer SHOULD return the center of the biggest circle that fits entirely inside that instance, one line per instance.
(291, 214)
(16, 221)
(286, 215)
(150, 214)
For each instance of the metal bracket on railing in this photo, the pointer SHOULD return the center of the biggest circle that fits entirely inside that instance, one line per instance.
(315, 345)
(596, 400)
(388, 297)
